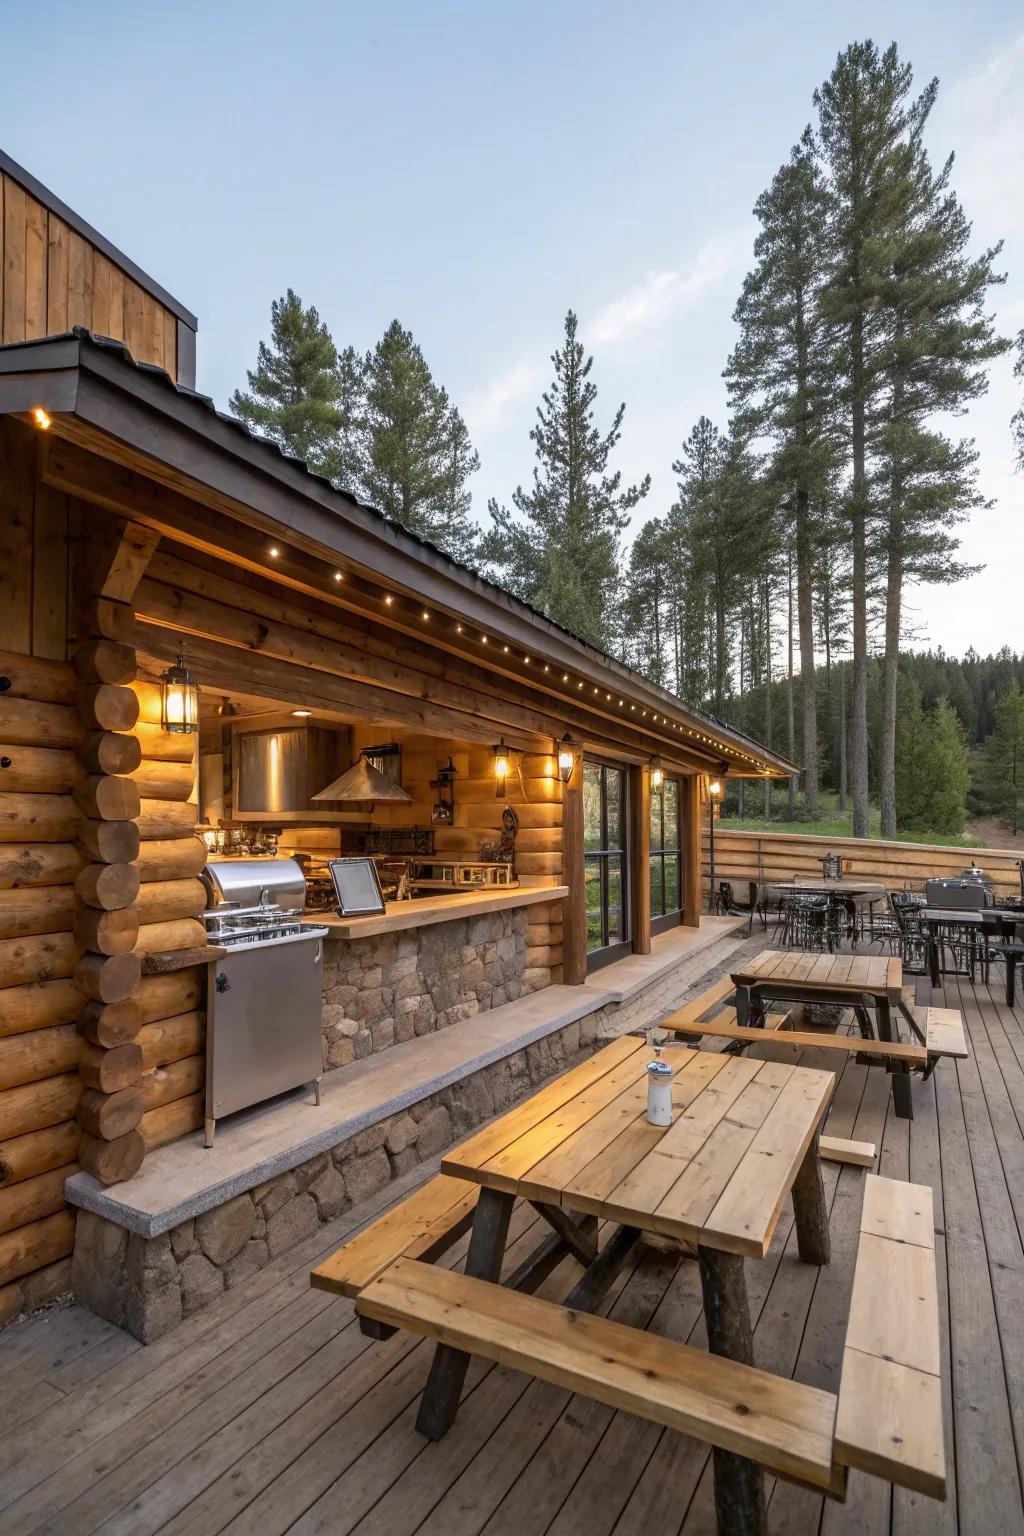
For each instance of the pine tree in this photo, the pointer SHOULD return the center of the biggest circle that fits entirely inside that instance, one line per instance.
(1017, 424)
(296, 394)
(939, 340)
(643, 605)
(1003, 769)
(561, 553)
(932, 771)
(419, 457)
(865, 124)
(780, 385)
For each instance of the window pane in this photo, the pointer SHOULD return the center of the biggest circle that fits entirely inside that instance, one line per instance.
(592, 887)
(673, 900)
(591, 806)
(613, 790)
(616, 912)
(670, 793)
(656, 818)
(657, 896)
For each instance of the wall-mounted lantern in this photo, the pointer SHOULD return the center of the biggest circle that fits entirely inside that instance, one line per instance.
(657, 775)
(565, 756)
(502, 760)
(179, 699)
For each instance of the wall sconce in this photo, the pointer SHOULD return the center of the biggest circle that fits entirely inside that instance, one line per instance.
(715, 788)
(565, 755)
(179, 704)
(657, 774)
(502, 758)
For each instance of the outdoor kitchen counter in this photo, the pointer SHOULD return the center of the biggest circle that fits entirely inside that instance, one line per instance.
(427, 910)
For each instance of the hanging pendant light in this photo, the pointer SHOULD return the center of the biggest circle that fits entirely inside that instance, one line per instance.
(179, 704)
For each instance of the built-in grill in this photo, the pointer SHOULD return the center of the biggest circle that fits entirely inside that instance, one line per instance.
(263, 1015)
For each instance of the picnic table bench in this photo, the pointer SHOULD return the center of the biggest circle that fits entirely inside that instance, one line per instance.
(744, 1136)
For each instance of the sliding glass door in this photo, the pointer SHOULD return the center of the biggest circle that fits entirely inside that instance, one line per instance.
(605, 862)
(666, 860)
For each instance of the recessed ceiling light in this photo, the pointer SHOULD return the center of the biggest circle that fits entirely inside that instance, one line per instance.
(302, 714)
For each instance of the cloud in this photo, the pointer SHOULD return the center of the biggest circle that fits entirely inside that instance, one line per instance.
(653, 301)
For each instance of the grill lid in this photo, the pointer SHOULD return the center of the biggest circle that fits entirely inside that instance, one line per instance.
(252, 882)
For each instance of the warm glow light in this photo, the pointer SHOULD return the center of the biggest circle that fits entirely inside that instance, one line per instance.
(566, 749)
(715, 787)
(302, 714)
(339, 576)
(179, 699)
(424, 614)
(501, 767)
(657, 773)
(483, 639)
(458, 629)
(505, 649)
(41, 419)
(273, 552)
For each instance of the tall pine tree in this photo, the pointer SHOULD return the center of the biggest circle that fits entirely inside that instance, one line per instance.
(562, 551)
(865, 122)
(939, 339)
(296, 393)
(1003, 769)
(780, 385)
(419, 457)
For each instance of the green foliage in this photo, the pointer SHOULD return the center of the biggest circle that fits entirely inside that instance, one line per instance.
(296, 392)
(1002, 776)
(419, 457)
(562, 551)
(932, 773)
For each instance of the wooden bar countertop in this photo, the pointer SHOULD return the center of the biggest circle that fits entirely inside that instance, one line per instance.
(421, 913)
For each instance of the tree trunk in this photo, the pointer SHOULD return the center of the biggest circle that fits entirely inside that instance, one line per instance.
(790, 715)
(890, 680)
(767, 693)
(805, 618)
(842, 736)
(858, 510)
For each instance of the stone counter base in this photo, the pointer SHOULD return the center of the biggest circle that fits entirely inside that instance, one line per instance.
(149, 1285)
(382, 990)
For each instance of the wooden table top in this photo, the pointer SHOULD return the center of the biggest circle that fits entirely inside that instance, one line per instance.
(821, 974)
(818, 886)
(719, 1175)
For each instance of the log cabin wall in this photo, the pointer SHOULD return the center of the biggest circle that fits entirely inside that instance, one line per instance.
(171, 896)
(53, 277)
(40, 1047)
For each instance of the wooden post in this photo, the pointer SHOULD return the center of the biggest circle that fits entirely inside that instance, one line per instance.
(441, 1395)
(810, 1210)
(689, 817)
(574, 913)
(640, 857)
(739, 1483)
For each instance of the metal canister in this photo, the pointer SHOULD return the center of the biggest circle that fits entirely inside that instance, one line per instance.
(659, 1091)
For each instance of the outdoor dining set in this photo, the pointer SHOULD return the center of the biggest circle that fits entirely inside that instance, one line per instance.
(700, 1148)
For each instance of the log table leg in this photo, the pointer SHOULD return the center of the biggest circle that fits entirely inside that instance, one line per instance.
(811, 1212)
(739, 1483)
(440, 1402)
(901, 1098)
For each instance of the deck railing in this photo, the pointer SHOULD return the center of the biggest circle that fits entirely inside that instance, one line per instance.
(744, 856)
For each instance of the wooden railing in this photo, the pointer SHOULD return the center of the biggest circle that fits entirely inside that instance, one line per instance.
(744, 856)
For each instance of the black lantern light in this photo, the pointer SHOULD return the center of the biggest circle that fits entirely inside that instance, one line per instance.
(179, 704)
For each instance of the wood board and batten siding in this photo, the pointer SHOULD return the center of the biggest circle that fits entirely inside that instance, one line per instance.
(744, 856)
(53, 278)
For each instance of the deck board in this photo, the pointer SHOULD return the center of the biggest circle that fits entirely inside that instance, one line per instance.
(269, 1412)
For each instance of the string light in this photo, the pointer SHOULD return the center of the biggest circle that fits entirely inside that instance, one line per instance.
(388, 600)
(424, 614)
(41, 419)
(458, 629)
(339, 576)
(504, 650)
(274, 552)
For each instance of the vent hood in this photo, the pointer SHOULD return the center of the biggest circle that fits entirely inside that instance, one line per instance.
(363, 782)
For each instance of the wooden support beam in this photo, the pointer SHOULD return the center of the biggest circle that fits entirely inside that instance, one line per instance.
(574, 907)
(640, 857)
(124, 551)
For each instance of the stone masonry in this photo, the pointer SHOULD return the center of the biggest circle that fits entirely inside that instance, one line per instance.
(382, 990)
(149, 1285)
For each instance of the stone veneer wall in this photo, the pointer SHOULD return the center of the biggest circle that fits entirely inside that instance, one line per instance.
(382, 990)
(149, 1285)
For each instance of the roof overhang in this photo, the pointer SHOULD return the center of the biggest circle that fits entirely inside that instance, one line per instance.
(140, 408)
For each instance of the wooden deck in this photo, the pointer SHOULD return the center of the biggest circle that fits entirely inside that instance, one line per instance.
(269, 1412)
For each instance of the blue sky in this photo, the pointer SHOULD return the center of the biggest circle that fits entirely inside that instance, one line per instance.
(475, 169)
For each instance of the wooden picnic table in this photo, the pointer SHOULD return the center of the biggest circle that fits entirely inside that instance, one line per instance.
(744, 1137)
(862, 982)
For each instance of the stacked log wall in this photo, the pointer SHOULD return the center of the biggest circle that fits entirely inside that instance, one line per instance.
(171, 897)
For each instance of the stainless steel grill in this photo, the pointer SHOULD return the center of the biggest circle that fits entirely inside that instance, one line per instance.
(264, 1006)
